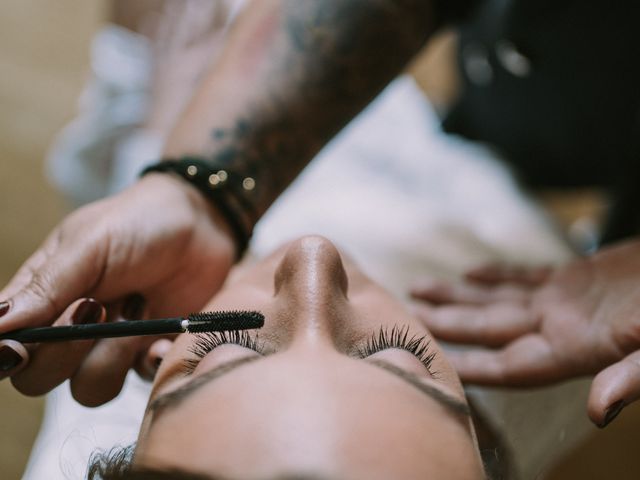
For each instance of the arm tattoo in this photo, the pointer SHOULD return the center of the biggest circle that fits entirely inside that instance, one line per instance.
(327, 61)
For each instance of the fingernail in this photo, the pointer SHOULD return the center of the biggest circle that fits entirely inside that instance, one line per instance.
(9, 359)
(133, 307)
(4, 308)
(89, 311)
(612, 412)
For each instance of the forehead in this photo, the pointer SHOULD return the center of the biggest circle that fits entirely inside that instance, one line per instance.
(272, 415)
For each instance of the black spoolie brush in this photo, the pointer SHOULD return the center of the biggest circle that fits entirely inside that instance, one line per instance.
(194, 323)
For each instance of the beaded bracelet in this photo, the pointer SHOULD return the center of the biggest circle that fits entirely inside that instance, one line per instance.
(229, 191)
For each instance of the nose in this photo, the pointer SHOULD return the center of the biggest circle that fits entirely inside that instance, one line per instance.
(312, 267)
(311, 282)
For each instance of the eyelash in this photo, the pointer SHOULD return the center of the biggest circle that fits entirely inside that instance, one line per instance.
(397, 337)
(206, 342)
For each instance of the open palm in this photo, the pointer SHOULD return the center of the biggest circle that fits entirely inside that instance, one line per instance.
(536, 327)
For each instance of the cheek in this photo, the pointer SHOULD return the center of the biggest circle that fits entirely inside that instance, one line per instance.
(173, 360)
(443, 369)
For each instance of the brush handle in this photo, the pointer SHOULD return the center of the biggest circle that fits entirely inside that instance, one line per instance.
(195, 323)
(96, 330)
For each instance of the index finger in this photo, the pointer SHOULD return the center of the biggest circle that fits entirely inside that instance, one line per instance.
(496, 274)
(526, 362)
(26, 271)
(492, 326)
(62, 277)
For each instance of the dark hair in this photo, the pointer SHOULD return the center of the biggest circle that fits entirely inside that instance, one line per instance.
(117, 464)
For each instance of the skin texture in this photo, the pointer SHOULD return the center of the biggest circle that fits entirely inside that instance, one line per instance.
(311, 405)
(544, 326)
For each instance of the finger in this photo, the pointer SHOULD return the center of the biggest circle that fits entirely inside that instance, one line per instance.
(52, 363)
(491, 326)
(149, 362)
(103, 371)
(24, 274)
(65, 276)
(442, 293)
(529, 361)
(614, 388)
(495, 274)
(134, 307)
(13, 358)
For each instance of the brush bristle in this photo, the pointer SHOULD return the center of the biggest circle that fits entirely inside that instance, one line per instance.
(221, 321)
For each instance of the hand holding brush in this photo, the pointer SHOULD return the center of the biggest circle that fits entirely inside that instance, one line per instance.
(80, 347)
(194, 323)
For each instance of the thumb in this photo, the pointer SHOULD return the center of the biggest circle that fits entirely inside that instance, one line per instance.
(614, 388)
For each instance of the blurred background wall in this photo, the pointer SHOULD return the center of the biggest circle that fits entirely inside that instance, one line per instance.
(44, 49)
(43, 58)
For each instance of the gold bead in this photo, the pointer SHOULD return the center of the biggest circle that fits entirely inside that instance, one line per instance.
(192, 170)
(222, 175)
(214, 179)
(249, 183)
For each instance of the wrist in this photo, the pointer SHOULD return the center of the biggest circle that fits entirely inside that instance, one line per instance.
(196, 209)
(224, 194)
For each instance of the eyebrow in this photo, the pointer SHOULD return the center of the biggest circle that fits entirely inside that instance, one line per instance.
(174, 398)
(453, 404)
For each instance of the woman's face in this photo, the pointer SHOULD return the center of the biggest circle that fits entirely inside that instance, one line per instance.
(316, 398)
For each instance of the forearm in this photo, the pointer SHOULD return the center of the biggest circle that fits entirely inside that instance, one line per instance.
(293, 74)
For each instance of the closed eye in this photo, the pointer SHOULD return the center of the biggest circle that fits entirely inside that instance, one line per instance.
(384, 339)
(207, 342)
(400, 338)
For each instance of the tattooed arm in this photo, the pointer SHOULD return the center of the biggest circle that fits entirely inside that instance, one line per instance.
(293, 74)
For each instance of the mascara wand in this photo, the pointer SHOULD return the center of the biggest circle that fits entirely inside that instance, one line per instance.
(194, 323)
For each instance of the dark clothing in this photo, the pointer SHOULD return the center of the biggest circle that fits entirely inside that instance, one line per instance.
(454, 11)
(554, 85)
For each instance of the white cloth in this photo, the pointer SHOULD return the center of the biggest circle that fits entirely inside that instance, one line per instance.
(70, 433)
(114, 103)
(403, 200)
(106, 147)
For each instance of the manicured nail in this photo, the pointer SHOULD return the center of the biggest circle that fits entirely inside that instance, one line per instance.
(612, 412)
(133, 307)
(4, 308)
(89, 311)
(9, 359)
